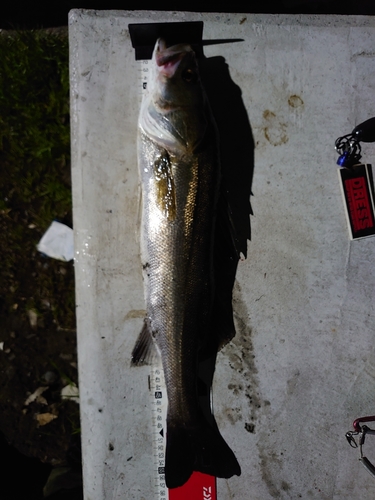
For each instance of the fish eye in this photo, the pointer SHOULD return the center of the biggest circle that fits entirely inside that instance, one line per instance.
(189, 76)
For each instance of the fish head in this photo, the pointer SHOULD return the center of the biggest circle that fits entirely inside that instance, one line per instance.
(177, 82)
(174, 112)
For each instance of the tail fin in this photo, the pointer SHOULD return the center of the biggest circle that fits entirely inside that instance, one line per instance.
(200, 449)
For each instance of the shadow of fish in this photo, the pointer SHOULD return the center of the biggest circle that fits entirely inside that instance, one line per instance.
(180, 177)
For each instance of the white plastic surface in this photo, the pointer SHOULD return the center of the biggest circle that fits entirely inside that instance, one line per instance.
(304, 298)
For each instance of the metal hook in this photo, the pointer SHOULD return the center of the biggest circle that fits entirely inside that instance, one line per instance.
(349, 436)
(361, 431)
(364, 460)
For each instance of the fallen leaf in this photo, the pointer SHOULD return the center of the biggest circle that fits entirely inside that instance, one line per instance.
(35, 395)
(45, 418)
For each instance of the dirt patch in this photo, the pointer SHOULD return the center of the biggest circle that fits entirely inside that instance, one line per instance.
(37, 305)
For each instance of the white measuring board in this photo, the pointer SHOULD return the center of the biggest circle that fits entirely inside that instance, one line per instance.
(199, 486)
(302, 363)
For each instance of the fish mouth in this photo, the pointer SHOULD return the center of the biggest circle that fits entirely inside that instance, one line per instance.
(168, 58)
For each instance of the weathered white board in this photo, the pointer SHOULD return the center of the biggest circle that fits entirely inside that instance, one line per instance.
(302, 366)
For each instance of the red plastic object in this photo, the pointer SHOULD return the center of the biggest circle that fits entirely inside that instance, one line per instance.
(198, 487)
(357, 421)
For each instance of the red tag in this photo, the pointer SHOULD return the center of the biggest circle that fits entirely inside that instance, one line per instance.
(198, 487)
(357, 189)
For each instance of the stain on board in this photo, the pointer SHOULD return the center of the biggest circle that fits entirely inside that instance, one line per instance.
(236, 388)
(295, 101)
(135, 313)
(267, 477)
(275, 131)
(275, 489)
(285, 486)
(234, 415)
(292, 382)
(363, 53)
(249, 427)
(242, 359)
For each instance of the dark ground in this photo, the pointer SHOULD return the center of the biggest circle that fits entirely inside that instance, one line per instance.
(44, 354)
(37, 305)
(32, 15)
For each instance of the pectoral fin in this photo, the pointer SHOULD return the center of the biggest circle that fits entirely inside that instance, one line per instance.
(144, 350)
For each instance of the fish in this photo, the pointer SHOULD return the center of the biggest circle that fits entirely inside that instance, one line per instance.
(179, 169)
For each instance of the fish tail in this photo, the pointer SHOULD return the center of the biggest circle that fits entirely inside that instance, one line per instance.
(213, 455)
(200, 449)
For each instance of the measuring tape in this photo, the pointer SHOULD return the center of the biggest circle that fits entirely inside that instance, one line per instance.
(143, 77)
(199, 486)
(159, 416)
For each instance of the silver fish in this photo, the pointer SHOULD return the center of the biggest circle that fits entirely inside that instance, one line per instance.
(180, 175)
